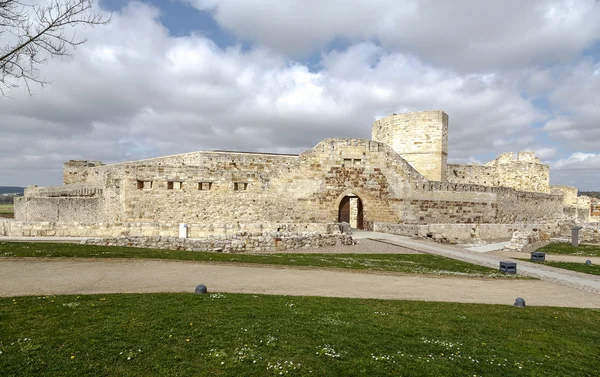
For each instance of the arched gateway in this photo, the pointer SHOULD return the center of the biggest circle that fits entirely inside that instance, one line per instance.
(351, 211)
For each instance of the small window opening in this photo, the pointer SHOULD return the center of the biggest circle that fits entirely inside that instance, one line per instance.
(204, 186)
(349, 162)
(144, 185)
(174, 185)
(240, 186)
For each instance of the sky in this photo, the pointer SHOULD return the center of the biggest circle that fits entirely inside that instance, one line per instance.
(167, 77)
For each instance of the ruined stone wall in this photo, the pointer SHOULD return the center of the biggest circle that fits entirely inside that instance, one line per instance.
(233, 243)
(14, 228)
(421, 138)
(473, 174)
(73, 209)
(518, 206)
(569, 194)
(76, 171)
(524, 173)
(464, 233)
(584, 208)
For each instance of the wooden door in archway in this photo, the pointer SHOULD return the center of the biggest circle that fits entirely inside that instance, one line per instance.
(351, 211)
(344, 211)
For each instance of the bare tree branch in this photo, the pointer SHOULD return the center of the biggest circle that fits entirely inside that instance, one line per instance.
(35, 32)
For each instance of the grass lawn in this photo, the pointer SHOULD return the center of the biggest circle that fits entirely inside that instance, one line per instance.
(567, 249)
(256, 335)
(579, 267)
(7, 210)
(406, 263)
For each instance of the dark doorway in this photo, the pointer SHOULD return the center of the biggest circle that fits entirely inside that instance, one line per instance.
(351, 211)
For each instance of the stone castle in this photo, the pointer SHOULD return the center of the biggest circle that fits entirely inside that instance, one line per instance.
(398, 182)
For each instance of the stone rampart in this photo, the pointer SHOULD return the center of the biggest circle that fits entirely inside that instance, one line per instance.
(464, 233)
(233, 243)
(399, 179)
(15, 228)
(77, 171)
(523, 173)
(569, 194)
(254, 188)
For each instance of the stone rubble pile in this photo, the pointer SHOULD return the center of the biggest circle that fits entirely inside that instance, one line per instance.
(231, 243)
(520, 239)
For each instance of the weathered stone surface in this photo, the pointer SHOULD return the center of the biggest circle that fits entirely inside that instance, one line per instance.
(521, 239)
(400, 177)
(232, 243)
(454, 233)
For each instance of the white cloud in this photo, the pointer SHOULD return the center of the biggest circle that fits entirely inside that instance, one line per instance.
(545, 153)
(134, 91)
(580, 161)
(463, 34)
(579, 169)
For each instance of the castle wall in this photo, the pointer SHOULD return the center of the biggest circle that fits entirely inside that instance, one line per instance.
(73, 209)
(421, 138)
(569, 194)
(76, 171)
(15, 228)
(523, 173)
(473, 174)
(401, 177)
(251, 188)
(518, 207)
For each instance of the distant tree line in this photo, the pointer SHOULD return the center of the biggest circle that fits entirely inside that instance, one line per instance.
(593, 194)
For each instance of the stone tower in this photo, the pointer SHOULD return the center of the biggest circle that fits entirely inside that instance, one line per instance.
(421, 138)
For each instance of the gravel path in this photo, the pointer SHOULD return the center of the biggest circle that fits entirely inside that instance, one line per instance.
(586, 282)
(549, 257)
(38, 276)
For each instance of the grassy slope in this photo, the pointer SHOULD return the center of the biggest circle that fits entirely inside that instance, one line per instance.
(567, 249)
(235, 335)
(407, 263)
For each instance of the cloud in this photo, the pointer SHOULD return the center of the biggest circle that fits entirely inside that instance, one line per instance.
(462, 34)
(572, 95)
(579, 169)
(135, 91)
(580, 161)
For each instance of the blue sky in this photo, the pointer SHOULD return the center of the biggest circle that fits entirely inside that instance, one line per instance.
(169, 77)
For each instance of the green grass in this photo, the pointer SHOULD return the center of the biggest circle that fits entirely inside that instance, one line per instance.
(404, 263)
(567, 249)
(573, 266)
(7, 210)
(243, 335)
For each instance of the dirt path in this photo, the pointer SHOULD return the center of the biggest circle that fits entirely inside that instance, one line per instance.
(59, 276)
